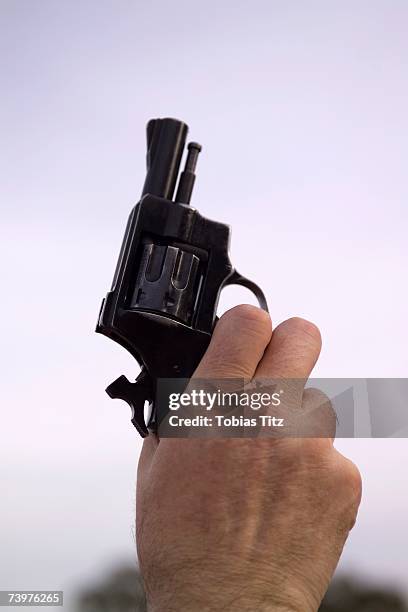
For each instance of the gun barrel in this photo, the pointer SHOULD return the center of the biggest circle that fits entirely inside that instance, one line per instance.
(187, 177)
(166, 139)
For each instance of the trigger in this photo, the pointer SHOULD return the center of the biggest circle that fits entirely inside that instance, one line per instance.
(135, 394)
(237, 279)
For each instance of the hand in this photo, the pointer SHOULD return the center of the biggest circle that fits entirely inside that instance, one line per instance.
(245, 524)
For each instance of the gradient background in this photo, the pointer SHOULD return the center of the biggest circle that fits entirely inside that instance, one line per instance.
(301, 107)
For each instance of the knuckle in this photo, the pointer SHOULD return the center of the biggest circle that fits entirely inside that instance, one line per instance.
(316, 396)
(341, 485)
(315, 451)
(354, 481)
(348, 484)
(319, 412)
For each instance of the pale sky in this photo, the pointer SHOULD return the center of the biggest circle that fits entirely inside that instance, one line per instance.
(301, 110)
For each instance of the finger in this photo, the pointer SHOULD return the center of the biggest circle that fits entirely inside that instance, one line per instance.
(317, 419)
(292, 352)
(237, 345)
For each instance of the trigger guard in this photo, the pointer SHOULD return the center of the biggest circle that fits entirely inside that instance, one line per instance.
(237, 279)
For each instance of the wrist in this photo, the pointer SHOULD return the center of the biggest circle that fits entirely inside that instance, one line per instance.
(219, 591)
(206, 606)
(186, 601)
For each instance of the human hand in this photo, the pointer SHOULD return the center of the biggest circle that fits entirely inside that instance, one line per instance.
(245, 524)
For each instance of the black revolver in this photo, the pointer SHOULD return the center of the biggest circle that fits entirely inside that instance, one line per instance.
(172, 267)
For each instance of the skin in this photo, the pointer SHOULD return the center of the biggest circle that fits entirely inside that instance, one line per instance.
(245, 524)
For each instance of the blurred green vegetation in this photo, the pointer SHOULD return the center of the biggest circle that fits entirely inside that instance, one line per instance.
(122, 591)
(348, 595)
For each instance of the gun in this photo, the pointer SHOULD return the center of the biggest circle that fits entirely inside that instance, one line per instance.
(172, 266)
